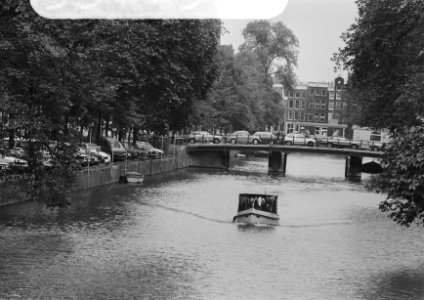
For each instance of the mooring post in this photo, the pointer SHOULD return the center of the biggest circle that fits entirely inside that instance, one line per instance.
(227, 159)
(277, 162)
(353, 166)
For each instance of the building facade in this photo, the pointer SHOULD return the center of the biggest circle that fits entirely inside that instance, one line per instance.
(338, 104)
(319, 109)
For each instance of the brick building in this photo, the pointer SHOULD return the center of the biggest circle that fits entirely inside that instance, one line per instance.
(317, 108)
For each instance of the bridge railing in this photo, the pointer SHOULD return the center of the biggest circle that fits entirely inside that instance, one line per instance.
(256, 140)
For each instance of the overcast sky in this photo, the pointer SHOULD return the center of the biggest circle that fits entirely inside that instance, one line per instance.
(317, 24)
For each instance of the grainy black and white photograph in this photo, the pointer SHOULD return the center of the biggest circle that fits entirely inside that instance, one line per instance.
(212, 150)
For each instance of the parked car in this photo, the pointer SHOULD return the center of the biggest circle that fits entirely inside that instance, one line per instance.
(95, 151)
(13, 164)
(136, 152)
(266, 137)
(113, 147)
(3, 168)
(242, 137)
(342, 142)
(80, 157)
(16, 152)
(376, 146)
(152, 152)
(204, 137)
(298, 139)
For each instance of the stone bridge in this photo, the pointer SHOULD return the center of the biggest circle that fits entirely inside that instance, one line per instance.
(219, 155)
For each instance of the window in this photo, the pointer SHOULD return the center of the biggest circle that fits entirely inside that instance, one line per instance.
(296, 115)
(303, 104)
(303, 94)
(338, 87)
(317, 92)
(317, 104)
(285, 93)
(323, 92)
(322, 118)
(303, 116)
(296, 104)
(316, 117)
(311, 104)
(310, 117)
(321, 131)
(330, 105)
(338, 96)
(375, 136)
(297, 94)
(291, 94)
(290, 115)
(323, 104)
(311, 91)
(338, 105)
(291, 104)
(290, 127)
(331, 95)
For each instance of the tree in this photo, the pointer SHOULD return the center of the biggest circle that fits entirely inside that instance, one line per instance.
(403, 176)
(59, 76)
(273, 44)
(384, 53)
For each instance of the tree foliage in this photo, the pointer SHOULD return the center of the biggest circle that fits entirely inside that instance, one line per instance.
(240, 99)
(384, 53)
(272, 44)
(60, 76)
(403, 176)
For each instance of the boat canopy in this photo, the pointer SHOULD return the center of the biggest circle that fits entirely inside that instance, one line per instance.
(261, 202)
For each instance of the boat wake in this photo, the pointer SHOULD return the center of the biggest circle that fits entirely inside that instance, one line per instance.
(315, 225)
(191, 214)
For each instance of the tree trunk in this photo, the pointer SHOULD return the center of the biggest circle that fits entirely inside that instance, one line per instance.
(107, 126)
(135, 134)
(98, 127)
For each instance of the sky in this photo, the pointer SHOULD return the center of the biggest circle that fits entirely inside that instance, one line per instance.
(157, 8)
(318, 25)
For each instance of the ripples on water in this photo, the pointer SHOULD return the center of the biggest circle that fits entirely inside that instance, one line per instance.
(172, 238)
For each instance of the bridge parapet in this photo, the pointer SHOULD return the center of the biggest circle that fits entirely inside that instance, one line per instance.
(284, 149)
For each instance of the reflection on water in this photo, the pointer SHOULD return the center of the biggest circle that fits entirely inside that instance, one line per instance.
(173, 238)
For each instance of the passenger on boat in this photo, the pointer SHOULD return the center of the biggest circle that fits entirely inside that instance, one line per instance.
(244, 203)
(259, 203)
(269, 205)
(252, 202)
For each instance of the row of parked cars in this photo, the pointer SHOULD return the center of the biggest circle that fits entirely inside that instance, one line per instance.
(296, 138)
(87, 154)
(237, 137)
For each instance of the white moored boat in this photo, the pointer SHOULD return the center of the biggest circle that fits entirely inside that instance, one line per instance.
(257, 209)
(134, 177)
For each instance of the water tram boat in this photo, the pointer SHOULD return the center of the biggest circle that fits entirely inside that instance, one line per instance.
(257, 209)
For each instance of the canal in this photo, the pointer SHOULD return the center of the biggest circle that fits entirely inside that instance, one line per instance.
(172, 238)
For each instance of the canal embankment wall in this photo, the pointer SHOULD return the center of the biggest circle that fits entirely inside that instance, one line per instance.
(12, 189)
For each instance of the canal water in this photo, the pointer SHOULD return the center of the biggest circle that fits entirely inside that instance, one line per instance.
(173, 238)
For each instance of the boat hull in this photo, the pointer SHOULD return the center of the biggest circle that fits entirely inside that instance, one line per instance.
(132, 177)
(135, 179)
(257, 217)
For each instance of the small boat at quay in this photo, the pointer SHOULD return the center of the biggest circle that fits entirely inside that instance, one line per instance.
(257, 209)
(132, 177)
